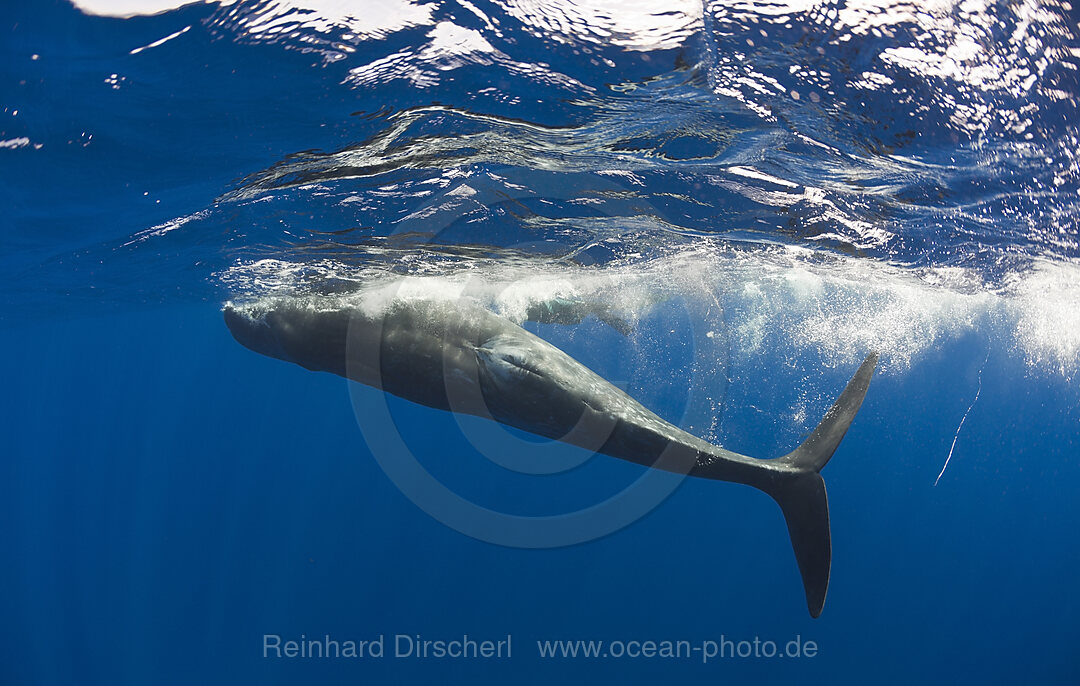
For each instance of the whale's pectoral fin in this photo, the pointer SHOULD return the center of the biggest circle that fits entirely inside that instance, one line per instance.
(803, 499)
(616, 322)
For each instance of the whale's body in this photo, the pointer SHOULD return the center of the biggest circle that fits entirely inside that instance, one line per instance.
(450, 355)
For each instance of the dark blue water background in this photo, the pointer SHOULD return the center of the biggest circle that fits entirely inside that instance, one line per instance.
(763, 192)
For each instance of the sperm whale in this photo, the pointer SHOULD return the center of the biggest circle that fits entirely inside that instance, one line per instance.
(457, 356)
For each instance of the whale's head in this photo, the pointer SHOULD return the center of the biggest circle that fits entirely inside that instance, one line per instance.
(312, 338)
(253, 332)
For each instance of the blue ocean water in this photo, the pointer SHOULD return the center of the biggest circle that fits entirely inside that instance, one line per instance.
(742, 198)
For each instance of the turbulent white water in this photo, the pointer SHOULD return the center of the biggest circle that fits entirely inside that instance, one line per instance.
(789, 300)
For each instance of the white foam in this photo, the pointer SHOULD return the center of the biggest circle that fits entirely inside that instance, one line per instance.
(778, 300)
(1046, 306)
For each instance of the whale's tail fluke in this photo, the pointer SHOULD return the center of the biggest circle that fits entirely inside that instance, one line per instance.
(802, 497)
(816, 450)
(806, 511)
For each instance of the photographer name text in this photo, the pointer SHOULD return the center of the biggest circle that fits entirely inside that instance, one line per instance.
(399, 646)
